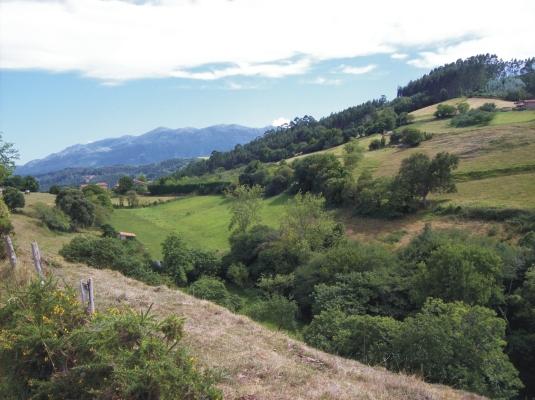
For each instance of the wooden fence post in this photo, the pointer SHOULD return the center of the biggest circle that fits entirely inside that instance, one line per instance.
(88, 295)
(37, 259)
(91, 296)
(10, 251)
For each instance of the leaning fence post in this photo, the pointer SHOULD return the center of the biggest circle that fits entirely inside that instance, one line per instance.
(91, 296)
(37, 259)
(10, 251)
(88, 295)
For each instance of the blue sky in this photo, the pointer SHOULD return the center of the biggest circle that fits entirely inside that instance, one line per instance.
(76, 71)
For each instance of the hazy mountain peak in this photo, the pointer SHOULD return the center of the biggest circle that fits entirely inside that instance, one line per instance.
(156, 145)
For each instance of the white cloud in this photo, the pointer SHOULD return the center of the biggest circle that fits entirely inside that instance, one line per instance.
(280, 121)
(347, 69)
(320, 80)
(117, 40)
(399, 56)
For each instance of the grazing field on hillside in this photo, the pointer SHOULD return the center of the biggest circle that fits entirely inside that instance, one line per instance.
(511, 191)
(474, 102)
(202, 221)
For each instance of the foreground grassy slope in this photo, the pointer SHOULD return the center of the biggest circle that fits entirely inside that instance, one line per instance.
(201, 220)
(250, 361)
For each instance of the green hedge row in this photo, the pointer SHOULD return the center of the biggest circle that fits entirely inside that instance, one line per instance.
(187, 188)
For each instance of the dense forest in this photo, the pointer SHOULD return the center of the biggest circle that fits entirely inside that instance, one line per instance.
(482, 75)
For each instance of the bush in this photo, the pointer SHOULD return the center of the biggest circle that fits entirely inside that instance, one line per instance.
(238, 274)
(412, 137)
(13, 198)
(5, 226)
(54, 189)
(377, 144)
(214, 290)
(472, 117)
(52, 217)
(448, 343)
(488, 107)
(468, 340)
(463, 107)
(469, 273)
(50, 349)
(5, 222)
(362, 337)
(79, 208)
(445, 111)
(277, 310)
(177, 260)
(127, 257)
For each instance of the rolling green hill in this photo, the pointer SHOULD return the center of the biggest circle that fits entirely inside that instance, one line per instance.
(497, 169)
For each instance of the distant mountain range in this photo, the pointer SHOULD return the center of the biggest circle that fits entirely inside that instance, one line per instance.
(152, 147)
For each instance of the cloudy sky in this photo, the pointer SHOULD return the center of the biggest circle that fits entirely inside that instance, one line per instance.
(74, 71)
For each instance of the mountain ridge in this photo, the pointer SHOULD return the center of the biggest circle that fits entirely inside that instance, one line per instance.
(156, 145)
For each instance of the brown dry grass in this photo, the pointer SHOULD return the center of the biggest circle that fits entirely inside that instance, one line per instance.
(370, 229)
(253, 361)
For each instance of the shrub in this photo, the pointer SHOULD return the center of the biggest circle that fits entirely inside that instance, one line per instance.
(52, 217)
(488, 107)
(50, 349)
(362, 337)
(126, 257)
(445, 111)
(377, 144)
(468, 340)
(177, 260)
(238, 274)
(108, 231)
(395, 138)
(464, 272)
(5, 226)
(282, 284)
(204, 262)
(5, 222)
(412, 137)
(214, 290)
(54, 189)
(79, 208)
(448, 343)
(277, 310)
(472, 117)
(463, 107)
(13, 198)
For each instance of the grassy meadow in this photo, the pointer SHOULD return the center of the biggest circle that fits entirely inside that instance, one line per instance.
(201, 220)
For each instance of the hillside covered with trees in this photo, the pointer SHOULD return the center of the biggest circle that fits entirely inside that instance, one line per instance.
(482, 75)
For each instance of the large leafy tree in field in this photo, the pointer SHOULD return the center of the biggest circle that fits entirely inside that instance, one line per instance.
(419, 175)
